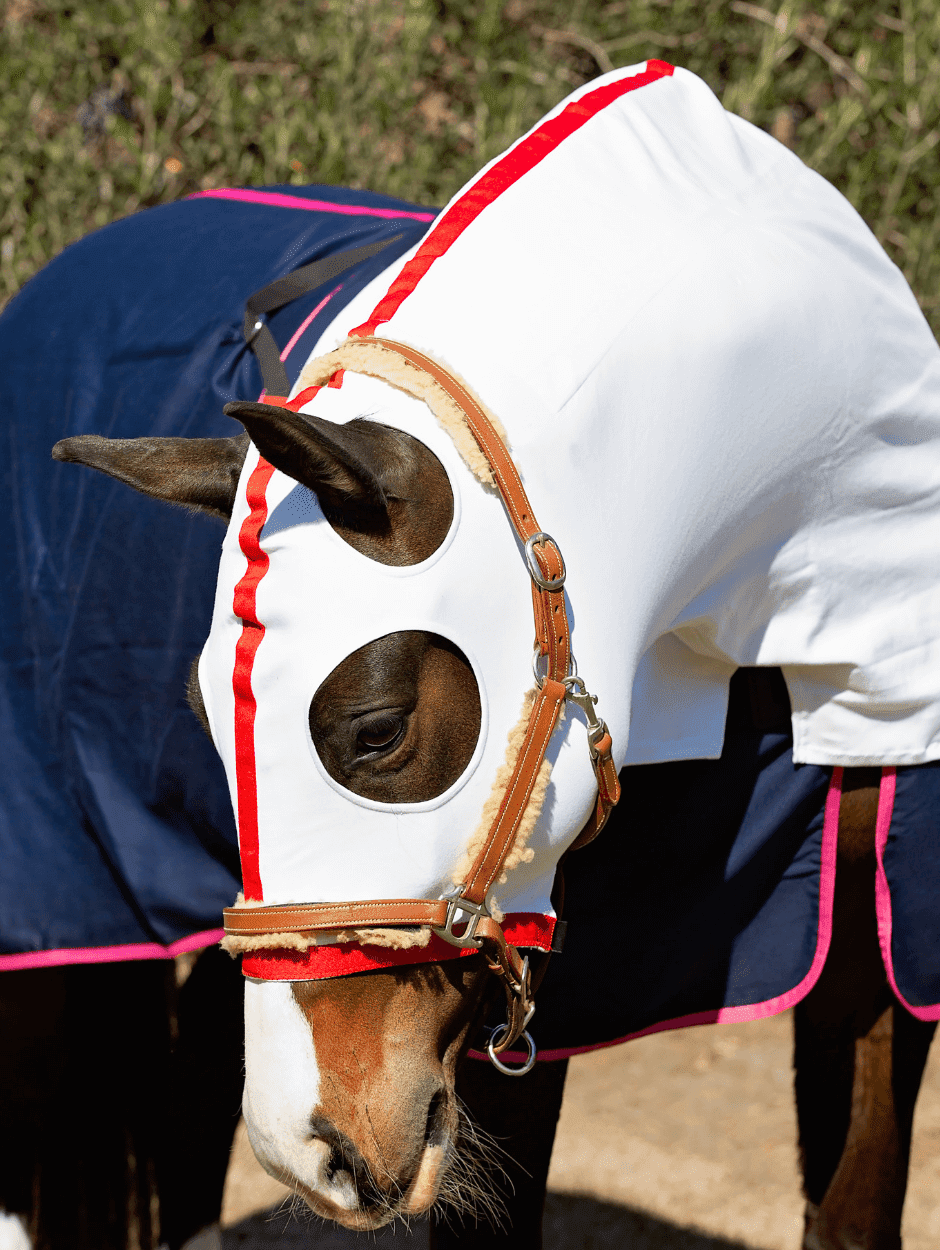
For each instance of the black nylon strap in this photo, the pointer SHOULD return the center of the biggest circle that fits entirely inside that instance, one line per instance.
(280, 292)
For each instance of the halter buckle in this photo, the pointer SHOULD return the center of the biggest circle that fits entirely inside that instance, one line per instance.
(535, 572)
(455, 903)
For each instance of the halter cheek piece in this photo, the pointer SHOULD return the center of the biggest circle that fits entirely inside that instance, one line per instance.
(463, 918)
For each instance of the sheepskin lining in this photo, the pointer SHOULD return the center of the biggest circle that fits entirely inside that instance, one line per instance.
(520, 852)
(376, 361)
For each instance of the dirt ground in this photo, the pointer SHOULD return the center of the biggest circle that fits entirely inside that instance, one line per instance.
(682, 1141)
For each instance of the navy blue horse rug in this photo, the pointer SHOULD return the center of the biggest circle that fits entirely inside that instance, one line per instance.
(708, 897)
(116, 833)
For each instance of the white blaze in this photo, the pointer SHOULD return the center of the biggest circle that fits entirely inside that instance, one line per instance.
(282, 1085)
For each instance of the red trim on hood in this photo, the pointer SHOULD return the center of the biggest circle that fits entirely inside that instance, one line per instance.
(517, 162)
(318, 963)
(244, 604)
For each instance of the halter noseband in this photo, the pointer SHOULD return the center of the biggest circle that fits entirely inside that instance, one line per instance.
(479, 929)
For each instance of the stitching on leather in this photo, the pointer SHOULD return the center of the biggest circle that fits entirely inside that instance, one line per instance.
(550, 708)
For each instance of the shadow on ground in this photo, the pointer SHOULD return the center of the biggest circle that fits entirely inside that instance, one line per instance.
(572, 1222)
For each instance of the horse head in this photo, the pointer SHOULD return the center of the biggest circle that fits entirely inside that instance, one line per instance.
(350, 1079)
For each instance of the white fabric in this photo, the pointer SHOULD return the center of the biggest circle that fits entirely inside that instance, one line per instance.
(320, 600)
(725, 405)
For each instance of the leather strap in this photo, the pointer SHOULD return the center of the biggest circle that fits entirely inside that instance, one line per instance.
(319, 917)
(282, 291)
(502, 835)
(553, 643)
(552, 630)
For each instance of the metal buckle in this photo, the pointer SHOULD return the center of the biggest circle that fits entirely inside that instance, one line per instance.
(455, 903)
(535, 572)
(536, 671)
(578, 693)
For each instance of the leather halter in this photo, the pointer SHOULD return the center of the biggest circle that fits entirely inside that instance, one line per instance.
(553, 644)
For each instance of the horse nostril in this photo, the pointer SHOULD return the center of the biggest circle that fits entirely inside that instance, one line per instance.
(437, 1109)
(345, 1164)
(335, 1163)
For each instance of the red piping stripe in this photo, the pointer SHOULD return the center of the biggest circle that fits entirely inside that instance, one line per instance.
(295, 337)
(245, 606)
(522, 158)
(886, 794)
(65, 955)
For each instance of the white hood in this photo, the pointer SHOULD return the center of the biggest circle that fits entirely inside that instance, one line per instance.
(725, 407)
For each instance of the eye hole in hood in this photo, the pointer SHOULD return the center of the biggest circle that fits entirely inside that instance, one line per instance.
(398, 720)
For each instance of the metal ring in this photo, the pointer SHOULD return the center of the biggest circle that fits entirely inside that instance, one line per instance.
(535, 571)
(540, 676)
(498, 1063)
(536, 672)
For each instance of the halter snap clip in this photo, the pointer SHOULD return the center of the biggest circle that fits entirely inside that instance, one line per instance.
(578, 693)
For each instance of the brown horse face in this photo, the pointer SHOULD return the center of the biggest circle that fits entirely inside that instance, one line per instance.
(350, 1081)
(349, 1095)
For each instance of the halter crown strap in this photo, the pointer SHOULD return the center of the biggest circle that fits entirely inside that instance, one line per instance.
(553, 645)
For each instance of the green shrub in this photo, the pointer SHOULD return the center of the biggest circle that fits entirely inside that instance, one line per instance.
(118, 104)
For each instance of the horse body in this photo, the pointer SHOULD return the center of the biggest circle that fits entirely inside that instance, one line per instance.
(717, 431)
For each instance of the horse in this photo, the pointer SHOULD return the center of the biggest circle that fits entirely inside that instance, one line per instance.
(369, 650)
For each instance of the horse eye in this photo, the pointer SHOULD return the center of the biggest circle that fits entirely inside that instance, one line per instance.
(380, 735)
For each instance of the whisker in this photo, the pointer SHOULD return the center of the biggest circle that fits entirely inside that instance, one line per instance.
(474, 1181)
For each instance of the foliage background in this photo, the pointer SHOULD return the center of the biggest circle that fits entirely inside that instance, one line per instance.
(109, 106)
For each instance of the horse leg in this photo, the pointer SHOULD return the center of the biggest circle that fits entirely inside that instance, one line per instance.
(522, 1115)
(204, 1098)
(859, 1058)
(87, 1048)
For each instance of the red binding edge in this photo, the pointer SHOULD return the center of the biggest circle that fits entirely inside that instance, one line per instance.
(528, 929)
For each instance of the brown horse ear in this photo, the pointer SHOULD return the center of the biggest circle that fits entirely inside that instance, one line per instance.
(199, 473)
(341, 464)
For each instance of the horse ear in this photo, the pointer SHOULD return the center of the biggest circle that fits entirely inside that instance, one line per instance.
(199, 473)
(341, 464)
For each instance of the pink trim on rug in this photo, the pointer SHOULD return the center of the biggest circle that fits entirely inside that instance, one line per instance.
(109, 954)
(750, 1011)
(883, 892)
(292, 341)
(277, 199)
